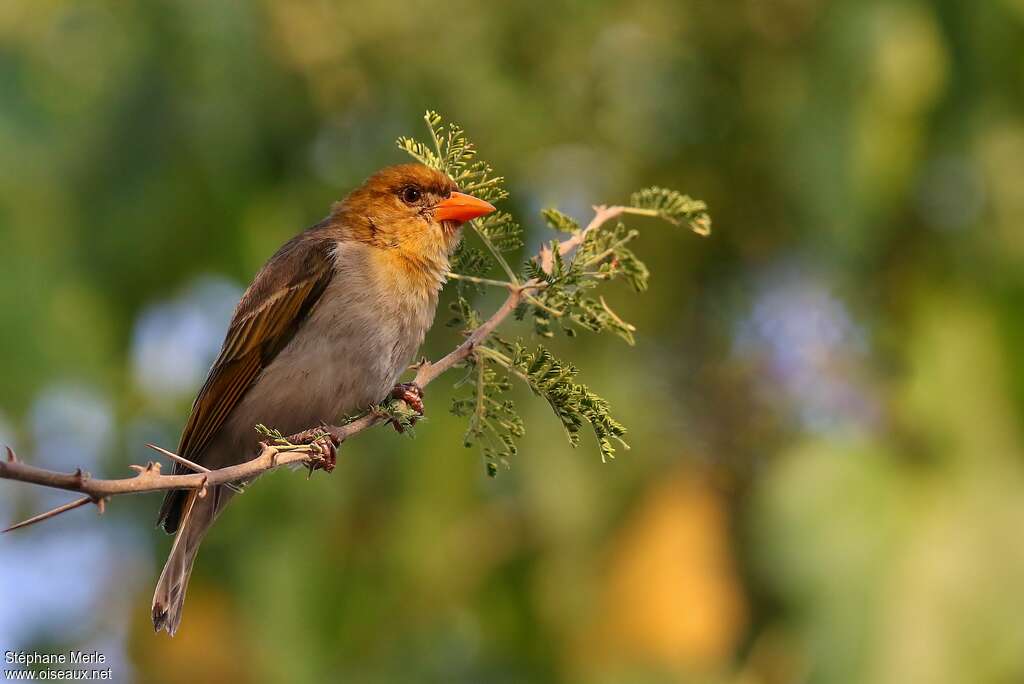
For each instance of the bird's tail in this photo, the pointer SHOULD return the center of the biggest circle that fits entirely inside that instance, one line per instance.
(169, 598)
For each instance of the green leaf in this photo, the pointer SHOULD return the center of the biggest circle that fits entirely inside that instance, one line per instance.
(469, 260)
(606, 251)
(574, 404)
(400, 414)
(464, 316)
(494, 423)
(674, 207)
(504, 233)
(556, 220)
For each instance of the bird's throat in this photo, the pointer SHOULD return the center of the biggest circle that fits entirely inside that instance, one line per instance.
(412, 273)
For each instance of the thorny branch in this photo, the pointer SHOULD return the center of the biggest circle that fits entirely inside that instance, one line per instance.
(148, 478)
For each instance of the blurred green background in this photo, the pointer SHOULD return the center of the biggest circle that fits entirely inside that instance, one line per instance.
(826, 398)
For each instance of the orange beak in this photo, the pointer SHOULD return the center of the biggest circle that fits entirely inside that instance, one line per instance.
(461, 207)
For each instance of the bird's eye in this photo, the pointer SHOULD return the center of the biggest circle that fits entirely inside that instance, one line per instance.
(411, 194)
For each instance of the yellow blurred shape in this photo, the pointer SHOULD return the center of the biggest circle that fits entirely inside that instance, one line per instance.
(1000, 151)
(911, 64)
(671, 596)
(909, 72)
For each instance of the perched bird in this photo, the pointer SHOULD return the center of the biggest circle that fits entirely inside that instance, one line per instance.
(325, 329)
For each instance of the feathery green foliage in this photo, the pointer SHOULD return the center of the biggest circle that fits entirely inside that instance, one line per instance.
(501, 231)
(469, 260)
(560, 297)
(574, 403)
(556, 220)
(398, 414)
(494, 423)
(674, 207)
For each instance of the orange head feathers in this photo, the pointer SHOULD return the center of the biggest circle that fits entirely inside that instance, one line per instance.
(411, 208)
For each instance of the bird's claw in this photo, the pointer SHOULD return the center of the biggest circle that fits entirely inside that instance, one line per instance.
(324, 443)
(328, 452)
(412, 395)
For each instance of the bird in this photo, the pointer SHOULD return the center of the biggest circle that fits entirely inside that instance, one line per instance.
(325, 329)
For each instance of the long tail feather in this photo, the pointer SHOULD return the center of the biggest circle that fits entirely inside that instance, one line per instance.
(169, 598)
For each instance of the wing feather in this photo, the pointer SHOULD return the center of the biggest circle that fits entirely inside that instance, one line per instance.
(251, 344)
(270, 312)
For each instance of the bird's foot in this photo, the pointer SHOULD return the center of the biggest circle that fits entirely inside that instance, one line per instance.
(412, 395)
(324, 441)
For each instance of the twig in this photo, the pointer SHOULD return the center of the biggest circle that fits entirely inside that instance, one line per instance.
(602, 215)
(495, 252)
(150, 479)
(479, 281)
(615, 317)
(541, 305)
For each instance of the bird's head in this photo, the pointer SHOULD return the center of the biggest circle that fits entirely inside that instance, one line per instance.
(411, 210)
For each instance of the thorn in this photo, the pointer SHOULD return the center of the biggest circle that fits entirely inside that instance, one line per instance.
(202, 489)
(11, 456)
(77, 503)
(101, 505)
(189, 464)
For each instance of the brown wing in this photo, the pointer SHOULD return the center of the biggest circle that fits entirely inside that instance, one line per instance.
(269, 314)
